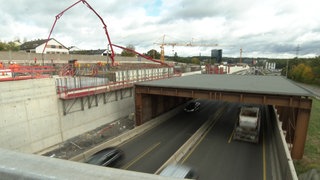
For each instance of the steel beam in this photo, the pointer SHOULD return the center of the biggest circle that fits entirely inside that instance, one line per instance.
(295, 110)
(300, 134)
(242, 97)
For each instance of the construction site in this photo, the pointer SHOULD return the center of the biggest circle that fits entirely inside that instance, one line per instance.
(62, 105)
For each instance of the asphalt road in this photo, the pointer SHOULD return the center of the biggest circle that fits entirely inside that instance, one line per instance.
(150, 150)
(218, 156)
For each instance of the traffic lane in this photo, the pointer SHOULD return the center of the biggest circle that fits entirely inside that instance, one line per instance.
(219, 157)
(165, 134)
(150, 150)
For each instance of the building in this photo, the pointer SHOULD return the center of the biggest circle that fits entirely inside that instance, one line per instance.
(73, 48)
(53, 47)
(217, 55)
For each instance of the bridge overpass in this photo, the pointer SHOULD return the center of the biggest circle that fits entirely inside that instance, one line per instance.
(150, 91)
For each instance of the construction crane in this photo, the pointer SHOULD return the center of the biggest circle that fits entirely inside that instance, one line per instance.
(104, 27)
(188, 44)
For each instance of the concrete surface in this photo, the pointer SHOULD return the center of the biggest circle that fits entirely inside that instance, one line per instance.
(32, 117)
(15, 165)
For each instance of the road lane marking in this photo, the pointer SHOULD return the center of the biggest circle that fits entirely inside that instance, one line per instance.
(264, 155)
(216, 117)
(140, 156)
(231, 136)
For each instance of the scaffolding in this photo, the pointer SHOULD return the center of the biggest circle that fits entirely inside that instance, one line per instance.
(26, 72)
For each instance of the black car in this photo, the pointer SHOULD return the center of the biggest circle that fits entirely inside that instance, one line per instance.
(107, 157)
(192, 106)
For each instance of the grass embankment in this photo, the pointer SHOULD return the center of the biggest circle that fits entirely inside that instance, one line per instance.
(311, 158)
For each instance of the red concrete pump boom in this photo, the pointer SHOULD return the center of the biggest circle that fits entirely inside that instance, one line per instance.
(142, 55)
(104, 26)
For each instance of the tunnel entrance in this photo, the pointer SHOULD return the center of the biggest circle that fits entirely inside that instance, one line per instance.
(294, 103)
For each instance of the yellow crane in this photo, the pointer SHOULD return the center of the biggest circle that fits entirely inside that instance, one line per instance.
(189, 44)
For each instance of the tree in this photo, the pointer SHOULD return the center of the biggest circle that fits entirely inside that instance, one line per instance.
(10, 46)
(128, 53)
(302, 73)
(195, 60)
(154, 54)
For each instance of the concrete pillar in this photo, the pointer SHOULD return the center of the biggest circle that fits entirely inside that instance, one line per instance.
(138, 109)
(300, 136)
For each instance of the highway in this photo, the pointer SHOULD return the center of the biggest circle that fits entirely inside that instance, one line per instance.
(150, 150)
(216, 156)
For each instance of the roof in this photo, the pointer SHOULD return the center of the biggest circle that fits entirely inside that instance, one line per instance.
(278, 85)
(89, 52)
(33, 44)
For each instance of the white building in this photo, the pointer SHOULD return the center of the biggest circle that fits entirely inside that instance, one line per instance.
(37, 46)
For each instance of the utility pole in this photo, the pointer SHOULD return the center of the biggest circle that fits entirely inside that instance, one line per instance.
(297, 50)
(240, 55)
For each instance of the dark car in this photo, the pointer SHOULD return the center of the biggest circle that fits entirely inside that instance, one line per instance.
(192, 106)
(106, 157)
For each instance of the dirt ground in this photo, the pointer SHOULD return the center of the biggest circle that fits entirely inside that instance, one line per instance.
(88, 140)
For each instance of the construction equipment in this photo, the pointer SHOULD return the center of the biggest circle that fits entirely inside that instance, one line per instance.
(247, 127)
(173, 44)
(104, 27)
(142, 55)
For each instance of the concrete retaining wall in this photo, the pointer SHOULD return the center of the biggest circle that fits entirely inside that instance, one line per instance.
(29, 115)
(28, 58)
(32, 115)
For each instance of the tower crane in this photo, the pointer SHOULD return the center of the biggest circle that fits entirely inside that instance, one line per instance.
(173, 44)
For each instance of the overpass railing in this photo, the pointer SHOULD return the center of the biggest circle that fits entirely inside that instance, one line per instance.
(287, 170)
(75, 87)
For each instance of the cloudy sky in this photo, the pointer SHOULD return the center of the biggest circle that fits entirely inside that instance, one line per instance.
(268, 28)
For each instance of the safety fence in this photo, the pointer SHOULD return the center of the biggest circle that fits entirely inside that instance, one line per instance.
(26, 72)
(75, 87)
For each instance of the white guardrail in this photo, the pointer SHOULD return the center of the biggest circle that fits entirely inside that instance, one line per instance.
(286, 168)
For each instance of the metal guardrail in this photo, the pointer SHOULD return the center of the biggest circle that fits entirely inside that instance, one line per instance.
(71, 92)
(286, 168)
(26, 72)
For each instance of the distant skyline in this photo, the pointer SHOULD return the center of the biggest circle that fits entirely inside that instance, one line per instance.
(272, 29)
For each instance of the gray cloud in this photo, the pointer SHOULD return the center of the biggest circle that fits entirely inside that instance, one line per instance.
(270, 28)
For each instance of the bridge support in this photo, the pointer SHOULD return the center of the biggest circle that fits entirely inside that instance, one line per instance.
(300, 134)
(149, 106)
(294, 111)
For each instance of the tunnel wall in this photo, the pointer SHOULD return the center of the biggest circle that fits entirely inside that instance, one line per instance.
(154, 105)
(32, 118)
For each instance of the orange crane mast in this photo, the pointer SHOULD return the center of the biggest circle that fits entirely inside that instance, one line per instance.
(173, 44)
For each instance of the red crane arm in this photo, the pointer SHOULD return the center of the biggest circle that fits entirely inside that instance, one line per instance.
(104, 26)
(142, 55)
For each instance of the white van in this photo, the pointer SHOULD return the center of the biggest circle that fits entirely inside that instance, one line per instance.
(179, 171)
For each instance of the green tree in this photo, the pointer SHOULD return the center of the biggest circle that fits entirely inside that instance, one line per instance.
(154, 54)
(10, 46)
(2, 46)
(195, 60)
(302, 73)
(128, 53)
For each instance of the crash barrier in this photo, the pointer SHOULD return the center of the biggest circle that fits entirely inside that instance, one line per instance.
(194, 139)
(285, 161)
(130, 134)
(15, 165)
